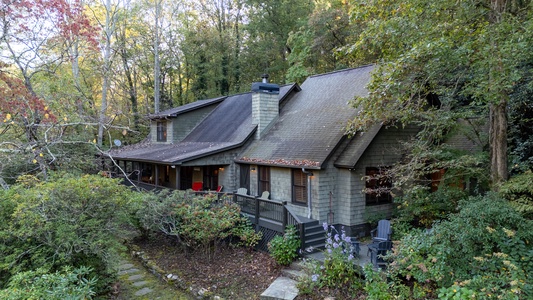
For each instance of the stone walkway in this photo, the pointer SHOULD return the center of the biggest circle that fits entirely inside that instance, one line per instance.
(137, 283)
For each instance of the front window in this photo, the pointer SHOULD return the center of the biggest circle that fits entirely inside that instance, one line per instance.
(161, 131)
(299, 187)
(264, 179)
(378, 186)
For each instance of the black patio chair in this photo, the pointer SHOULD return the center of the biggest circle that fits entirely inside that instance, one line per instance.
(377, 250)
(383, 232)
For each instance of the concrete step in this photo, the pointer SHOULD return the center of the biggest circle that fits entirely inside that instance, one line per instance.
(283, 288)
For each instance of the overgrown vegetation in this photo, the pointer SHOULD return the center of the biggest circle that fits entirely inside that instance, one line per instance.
(198, 223)
(73, 224)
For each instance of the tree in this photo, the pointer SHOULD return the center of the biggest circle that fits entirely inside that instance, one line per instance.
(468, 55)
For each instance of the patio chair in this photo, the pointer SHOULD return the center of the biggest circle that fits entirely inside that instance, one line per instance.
(219, 188)
(382, 232)
(242, 191)
(377, 250)
(265, 195)
(197, 186)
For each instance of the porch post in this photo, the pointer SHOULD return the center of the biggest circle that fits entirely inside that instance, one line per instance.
(178, 179)
(156, 179)
(285, 215)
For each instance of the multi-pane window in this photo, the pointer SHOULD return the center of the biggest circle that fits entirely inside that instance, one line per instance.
(263, 179)
(161, 131)
(299, 186)
(378, 186)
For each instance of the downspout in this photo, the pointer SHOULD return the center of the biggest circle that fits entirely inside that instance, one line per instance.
(309, 174)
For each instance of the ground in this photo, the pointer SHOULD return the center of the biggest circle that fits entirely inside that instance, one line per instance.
(229, 272)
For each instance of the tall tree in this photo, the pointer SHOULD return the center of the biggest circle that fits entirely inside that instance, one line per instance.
(470, 54)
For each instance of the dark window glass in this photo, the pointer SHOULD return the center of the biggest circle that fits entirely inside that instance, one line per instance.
(299, 187)
(161, 131)
(378, 186)
(264, 179)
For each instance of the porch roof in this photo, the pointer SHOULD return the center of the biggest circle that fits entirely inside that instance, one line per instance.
(312, 124)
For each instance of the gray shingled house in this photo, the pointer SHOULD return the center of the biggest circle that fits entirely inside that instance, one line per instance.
(287, 140)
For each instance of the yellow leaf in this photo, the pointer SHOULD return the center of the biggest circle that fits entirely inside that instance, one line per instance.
(34, 161)
(47, 116)
(94, 141)
(65, 118)
(46, 108)
(40, 154)
(8, 117)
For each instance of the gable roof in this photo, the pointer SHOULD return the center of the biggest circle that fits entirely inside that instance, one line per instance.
(356, 147)
(311, 124)
(174, 112)
(228, 126)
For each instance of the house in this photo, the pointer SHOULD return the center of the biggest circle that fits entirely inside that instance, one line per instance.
(287, 140)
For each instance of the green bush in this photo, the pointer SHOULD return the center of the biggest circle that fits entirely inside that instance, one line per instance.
(197, 222)
(422, 207)
(68, 220)
(519, 191)
(68, 284)
(284, 249)
(484, 248)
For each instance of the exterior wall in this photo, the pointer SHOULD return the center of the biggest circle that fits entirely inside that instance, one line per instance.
(185, 123)
(179, 127)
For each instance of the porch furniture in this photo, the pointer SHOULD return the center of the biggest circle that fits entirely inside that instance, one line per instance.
(377, 250)
(382, 232)
(242, 191)
(219, 188)
(265, 195)
(197, 186)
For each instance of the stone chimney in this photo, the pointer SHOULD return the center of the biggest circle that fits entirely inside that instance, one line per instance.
(265, 105)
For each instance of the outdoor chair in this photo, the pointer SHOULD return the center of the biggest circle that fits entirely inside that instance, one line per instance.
(377, 250)
(219, 188)
(382, 232)
(197, 186)
(242, 191)
(265, 195)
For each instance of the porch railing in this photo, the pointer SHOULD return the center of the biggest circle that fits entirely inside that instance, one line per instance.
(260, 209)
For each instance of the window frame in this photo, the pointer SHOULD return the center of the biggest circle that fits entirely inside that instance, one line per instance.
(375, 184)
(263, 179)
(161, 131)
(299, 187)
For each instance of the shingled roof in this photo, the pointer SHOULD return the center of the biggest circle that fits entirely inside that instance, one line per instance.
(228, 126)
(312, 123)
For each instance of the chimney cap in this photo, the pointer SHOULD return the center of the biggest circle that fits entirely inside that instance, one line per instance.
(265, 78)
(261, 87)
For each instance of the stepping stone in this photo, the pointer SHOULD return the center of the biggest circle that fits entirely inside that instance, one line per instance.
(125, 266)
(140, 283)
(128, 271)
(135, 277)
(143, 291)
(283, 288)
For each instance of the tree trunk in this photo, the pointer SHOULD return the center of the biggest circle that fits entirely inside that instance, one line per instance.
(498, 143)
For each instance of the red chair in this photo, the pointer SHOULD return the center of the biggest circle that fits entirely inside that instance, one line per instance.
(197, 186)
(219, 188)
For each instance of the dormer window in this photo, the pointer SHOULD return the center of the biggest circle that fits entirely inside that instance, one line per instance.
(161, 131)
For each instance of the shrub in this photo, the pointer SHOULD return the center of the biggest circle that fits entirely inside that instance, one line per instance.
(519, 191)
(197, 222)
(67, 284)
(484, 248)
(284, 249)
(68, 220)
